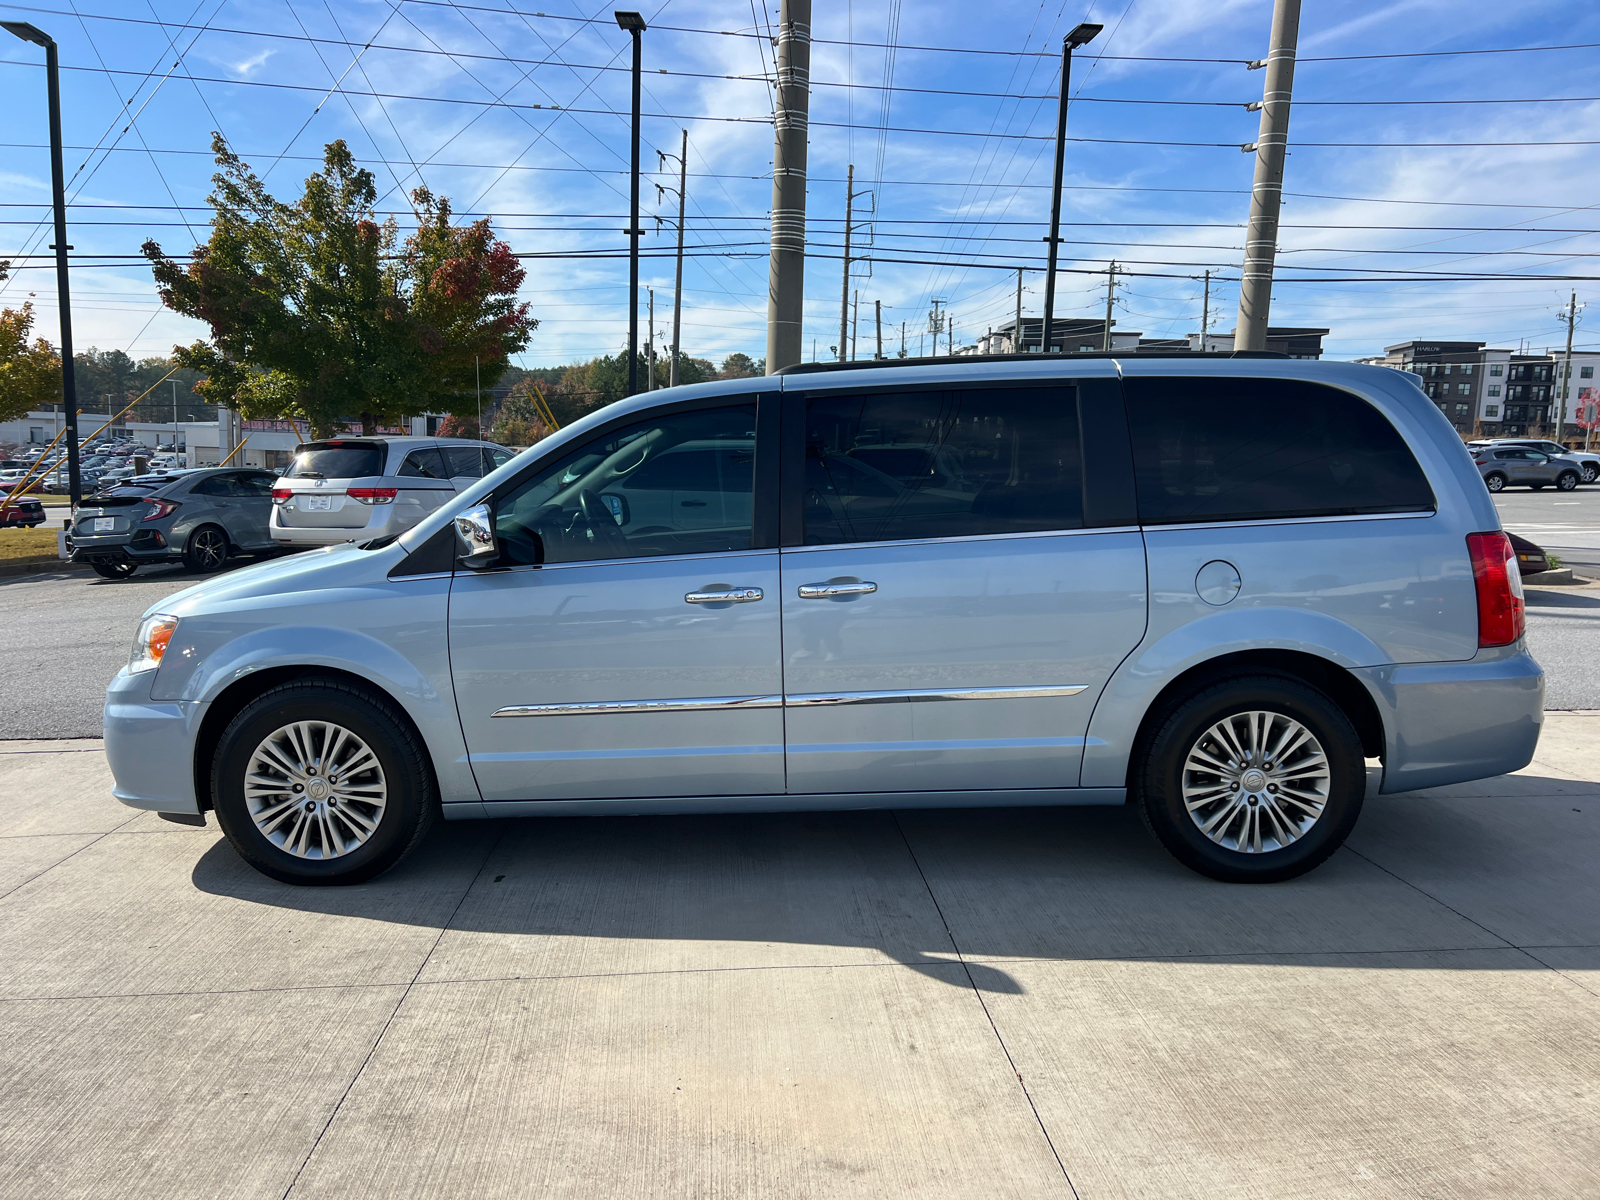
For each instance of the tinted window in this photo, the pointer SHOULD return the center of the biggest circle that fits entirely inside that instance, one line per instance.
(256, 483)
(624, 496)
(215, 485)
(1217, 449)
(474, 462)
(333, 460)
(941, 464)
(425, 463)
(706, 467)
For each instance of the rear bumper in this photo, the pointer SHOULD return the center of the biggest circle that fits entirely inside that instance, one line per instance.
(379, 520)
(150, 745)
(1451, 722)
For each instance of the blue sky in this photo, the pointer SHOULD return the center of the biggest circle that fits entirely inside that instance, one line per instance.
(446, 92)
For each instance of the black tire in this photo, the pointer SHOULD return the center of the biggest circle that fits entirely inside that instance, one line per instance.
(410, 805)
(206, 550)
(1160, 774)
(1567, 480)
(1590, 474)
(114, 570)
(1495, 481)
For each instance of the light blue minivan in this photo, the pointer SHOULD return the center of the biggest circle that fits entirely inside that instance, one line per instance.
(1211, 587)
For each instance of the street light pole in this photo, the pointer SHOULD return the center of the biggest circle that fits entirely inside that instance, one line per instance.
(1079, 36)
(69, 383)
(633, 23)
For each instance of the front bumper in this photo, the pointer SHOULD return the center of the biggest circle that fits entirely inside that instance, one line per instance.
(1453, 722)
(150, 745)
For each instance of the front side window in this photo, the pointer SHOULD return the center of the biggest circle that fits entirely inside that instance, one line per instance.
(911, 465)
(1220, 449)
(681, 483)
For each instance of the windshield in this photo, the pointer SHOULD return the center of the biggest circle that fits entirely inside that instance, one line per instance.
(336, 460)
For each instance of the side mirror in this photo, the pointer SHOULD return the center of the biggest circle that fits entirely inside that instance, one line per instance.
(476, 547)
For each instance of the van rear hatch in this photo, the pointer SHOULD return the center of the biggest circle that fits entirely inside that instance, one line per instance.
(314, 492)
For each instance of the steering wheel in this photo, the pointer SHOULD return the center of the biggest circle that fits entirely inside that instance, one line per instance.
(602, 525)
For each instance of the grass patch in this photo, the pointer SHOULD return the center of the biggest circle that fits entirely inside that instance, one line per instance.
(19, 545)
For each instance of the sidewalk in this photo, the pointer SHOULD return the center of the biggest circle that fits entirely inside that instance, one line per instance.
(936, 1003)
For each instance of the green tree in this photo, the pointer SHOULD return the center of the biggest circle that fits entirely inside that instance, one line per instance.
(318, 313)
(742, 366)
(30, 374)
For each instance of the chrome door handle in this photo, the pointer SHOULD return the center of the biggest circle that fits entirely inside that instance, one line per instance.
(738, 595)
(822, 591)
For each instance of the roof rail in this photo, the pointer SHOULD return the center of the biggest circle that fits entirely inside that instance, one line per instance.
(812, 368)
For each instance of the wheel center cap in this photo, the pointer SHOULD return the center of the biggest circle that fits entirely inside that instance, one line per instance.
(1253, 780)
(318, 789)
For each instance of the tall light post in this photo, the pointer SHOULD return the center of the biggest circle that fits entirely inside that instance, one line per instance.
(633, 23)
(1080, 35)
(69, 383)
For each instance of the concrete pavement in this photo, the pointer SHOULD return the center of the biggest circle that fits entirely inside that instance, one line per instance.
(942, 1003)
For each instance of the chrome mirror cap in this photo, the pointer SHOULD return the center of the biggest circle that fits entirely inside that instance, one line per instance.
(475, 542)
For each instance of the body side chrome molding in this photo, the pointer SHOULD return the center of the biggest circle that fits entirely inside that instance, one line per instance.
(701, 704)
(918, 695)
(806, 700)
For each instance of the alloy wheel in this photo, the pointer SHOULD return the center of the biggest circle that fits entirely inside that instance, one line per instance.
(315, 790)
(1256, 782)
(210, 549)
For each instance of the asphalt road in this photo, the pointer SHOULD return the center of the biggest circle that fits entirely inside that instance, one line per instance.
(48, 697)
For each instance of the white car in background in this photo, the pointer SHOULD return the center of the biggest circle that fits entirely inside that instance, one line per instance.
(358, 489)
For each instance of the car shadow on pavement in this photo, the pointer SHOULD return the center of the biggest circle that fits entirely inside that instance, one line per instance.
(932, 888)
(1549, 598)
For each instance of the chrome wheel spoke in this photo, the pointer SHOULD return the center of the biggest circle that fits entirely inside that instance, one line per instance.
(293, 801)
(1255, 782)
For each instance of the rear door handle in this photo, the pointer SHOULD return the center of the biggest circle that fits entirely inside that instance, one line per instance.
(823, 591)
(691, 503)
(738, 595)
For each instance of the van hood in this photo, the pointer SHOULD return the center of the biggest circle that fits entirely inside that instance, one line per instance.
(309, 570)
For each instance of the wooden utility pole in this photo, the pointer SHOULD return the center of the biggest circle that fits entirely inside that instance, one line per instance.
(1571, 318)
(650, 382)
(855, 324)
(877, 306)
(1266, 193)
(1205, 312)
(786, 274)
(902, 339)
(677, 287)
(1016, 330)
(844, 288)
(1111, 292)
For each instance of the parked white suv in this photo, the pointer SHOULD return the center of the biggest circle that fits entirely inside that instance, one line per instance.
(359, 489)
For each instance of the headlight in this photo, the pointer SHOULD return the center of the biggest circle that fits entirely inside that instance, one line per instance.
(155, 633)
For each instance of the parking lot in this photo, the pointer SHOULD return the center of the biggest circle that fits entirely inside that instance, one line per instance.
(1013, 1002)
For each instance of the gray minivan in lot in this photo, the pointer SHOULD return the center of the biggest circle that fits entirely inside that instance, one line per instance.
(1208, 587)
(357, 489)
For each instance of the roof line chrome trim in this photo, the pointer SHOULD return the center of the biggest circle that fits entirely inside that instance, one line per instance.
(919, 695)
(698, 704)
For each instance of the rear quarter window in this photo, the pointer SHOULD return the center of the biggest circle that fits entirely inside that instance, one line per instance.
(1220, 449)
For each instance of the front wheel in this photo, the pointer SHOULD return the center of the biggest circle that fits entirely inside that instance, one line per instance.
(1590, 474)
(319, 781)
(1254, 780)
(206, 550)
(1495, 481)
(1567, 481)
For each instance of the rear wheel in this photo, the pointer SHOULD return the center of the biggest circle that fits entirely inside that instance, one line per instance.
(1567, 480)
(1494, 481)
(114, 570)
(1254, 780)
(1590, 473)
(322, 782)
(206, 550)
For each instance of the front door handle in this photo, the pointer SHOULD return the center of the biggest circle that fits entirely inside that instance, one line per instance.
(824, 591)
(738, 595)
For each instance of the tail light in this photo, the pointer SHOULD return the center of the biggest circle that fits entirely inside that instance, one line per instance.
(373, 495)
(1502, 617)
(280, 494)
(161, 508)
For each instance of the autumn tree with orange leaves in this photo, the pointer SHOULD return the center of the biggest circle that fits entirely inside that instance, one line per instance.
(319, 312)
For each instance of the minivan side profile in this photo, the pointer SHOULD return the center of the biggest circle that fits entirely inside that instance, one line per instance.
(1212, 588)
